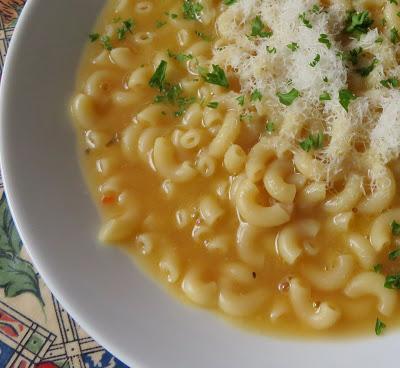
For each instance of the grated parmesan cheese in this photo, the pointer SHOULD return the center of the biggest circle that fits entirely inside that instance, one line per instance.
(369, 130)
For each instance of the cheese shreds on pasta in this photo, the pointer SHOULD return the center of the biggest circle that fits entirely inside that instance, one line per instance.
(369, 132)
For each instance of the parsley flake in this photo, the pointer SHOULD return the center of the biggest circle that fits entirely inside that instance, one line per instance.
(395, 226)
(256, 95)
(345, 97)
(365, 71)
(316, 60)
(358, 23)
(191, 9)
(257, 28)
(293, 46)
(379, 327)
(392, 281)
(217, 76)
(323, 38)
(94, 37)
(390, 83)
(158, 78)
(312, 142)
(378, 268)
(305, 21)
(213, 105)
(288, 98)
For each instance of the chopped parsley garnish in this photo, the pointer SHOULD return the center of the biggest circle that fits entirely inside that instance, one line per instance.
(171, 15)
(180, 57)
(345, 97)
(379, 327)
(392, 281)
(378, 268)
(240, 100)
(394, 35)
(203, 36)
(127, 26)
(160, 24)
(325, 79)
(353, 55)
(365, 71)
(191, 9)
(325, 97)
(312, 142)
(247, 117)
(316, 60)
(173, 94)
(358, 23)
(270, 126)
(315, 9)
(393, 2)
(213, 105)
(217, 76)
(305, 21)
(394, 254)
(395, 226)
(323, 38)
(94, 37)
(256, 95)
(379, 40)
(293, 46)
(288, 98)
(271, 50)
(257, 28)
(390, 83)
(158, 78)
(229, 2)
(106, 42)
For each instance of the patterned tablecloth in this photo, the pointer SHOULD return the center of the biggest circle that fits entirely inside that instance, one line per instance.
(35, 330)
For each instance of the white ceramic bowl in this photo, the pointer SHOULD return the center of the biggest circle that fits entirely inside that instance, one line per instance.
(101, 288)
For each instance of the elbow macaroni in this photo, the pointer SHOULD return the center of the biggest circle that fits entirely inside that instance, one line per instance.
(231, 198)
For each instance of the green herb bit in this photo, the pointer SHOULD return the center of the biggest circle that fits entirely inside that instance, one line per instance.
(393, 2)
(179, 57)
(345, 97)
(294, 46)
(270, 127)
(158, 78)
(394, 35)
(323, 38)
(365, 71)
(353, 55)
(288, 98)
(395, 226)
(191, 10)
(271, 50)
(240, 100)
(325, 79)
(127, 26)
(106, 42)
(94, 37)
(379, 327)
(217, 76)
(257, 28)
(379, 40)
(378, 268)
(392, 281)
(325, 97)
(171, 15)
(315, 9)
(390, 83)
(358, 22)
(160, 23)
(213, 105)
(230, 2)
(316, 60)
(312, 142)
(203, 36)
(305, 21)
(256, 95)
(394, 255)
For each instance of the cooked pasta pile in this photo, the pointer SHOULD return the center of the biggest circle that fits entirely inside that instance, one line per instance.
(246, 152)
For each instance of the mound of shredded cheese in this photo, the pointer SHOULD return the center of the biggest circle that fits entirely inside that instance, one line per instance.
(280, 46)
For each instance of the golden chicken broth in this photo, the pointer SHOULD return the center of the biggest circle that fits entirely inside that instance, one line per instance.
(225, 191)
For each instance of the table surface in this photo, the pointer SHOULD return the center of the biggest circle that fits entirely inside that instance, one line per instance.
(35, 330)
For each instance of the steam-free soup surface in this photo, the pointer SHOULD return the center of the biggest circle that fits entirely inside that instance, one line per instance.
(246, 154)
